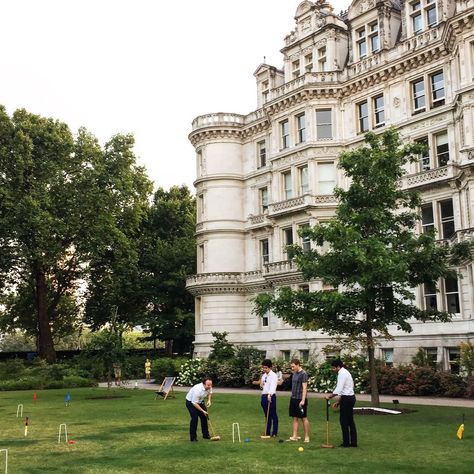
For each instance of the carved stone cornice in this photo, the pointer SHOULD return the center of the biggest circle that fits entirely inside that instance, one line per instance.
(215, 134)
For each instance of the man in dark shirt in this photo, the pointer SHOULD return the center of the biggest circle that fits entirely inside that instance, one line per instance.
(299, 400)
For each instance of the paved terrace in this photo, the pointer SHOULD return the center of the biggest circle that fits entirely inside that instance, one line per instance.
(442, 402)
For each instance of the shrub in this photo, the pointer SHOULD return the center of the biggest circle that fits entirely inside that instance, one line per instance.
(221, 348)
(470, 388)
(190, 372)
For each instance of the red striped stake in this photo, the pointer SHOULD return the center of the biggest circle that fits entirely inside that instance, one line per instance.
(34, 397)
(26, 426)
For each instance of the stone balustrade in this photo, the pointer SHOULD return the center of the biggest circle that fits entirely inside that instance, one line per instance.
(219, 119)
(422, 39)
(426, 177)
(285, 266)
(300, 201)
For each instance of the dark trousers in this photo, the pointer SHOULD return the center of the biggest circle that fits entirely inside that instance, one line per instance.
(272, 421)
(195, 415)
(346, 418)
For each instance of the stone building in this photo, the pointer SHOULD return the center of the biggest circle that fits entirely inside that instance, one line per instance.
(262, 176)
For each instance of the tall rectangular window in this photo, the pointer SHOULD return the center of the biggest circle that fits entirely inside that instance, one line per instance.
(324, 123)
(387, 355)
(322, 63)
(374, 37)
(301, 125)
(425, 163)
(304, 180)
(262, 154)
(427, 218)
(326, 178)
(453, 360)
(295, 65)
(305, 241)
(201, 258)
(452, 295)
(379, 111)
(288, 236)
(442, 149)
(304, 355)
(361, 43)
(447, 218)
(201, 206)
(437, 89)
(263, 199)
(430, 297)
(431, 14)
(285, 134)
(432, 356)
(308, 60)
(287, 185)
(264, 251)
(418, 88)
(265, 91)
(417, 20)
(363, 116)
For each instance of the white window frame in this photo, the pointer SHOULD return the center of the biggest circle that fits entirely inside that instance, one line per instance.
(285, 134)
(261, 154)
(287, 178)
(324, 125)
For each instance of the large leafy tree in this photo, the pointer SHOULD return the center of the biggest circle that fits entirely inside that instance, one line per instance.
(168, 255)
(375, 258)
(115, 276)
(61, 200)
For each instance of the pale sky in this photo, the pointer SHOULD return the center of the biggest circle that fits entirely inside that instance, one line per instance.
(146, 67)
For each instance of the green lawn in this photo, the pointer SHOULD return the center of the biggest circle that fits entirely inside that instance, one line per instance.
(138, 434)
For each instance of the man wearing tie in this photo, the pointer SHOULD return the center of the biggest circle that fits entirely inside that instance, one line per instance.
(268, 382)
(345, 391)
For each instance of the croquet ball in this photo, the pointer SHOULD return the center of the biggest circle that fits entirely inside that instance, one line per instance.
(281, 441)
(301, 449)
(247, 440)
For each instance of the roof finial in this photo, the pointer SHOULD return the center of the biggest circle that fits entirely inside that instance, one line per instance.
(264, 60)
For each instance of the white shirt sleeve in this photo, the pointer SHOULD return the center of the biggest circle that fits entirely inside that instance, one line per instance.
(273, 380)
(341, 380)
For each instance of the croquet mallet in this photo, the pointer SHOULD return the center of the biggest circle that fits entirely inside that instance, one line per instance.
(213, 437)
(327, 445)
(265, 436)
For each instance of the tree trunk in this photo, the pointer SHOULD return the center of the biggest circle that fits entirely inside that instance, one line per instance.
(374, 388)
(45, 338)
(169, 347)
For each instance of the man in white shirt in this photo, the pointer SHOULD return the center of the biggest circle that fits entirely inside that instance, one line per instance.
(268, 383)
(345, 390)
(197, 409)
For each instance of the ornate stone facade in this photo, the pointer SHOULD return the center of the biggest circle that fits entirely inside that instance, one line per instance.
(262, 176)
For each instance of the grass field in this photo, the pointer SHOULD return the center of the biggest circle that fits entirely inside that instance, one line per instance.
(138, 434)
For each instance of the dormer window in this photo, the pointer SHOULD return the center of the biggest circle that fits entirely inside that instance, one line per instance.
(368, 39)
(295, 68)
(423, 14)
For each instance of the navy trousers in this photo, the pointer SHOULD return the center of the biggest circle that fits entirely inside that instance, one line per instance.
(272, 421)
(346, 418)
(195, 416)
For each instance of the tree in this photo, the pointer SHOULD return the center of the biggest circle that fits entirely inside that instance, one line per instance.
(168, 255)
(115, 276)
(60, 197)
(375, 259)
